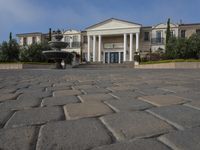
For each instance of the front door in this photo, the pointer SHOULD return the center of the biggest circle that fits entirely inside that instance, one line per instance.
(114, 57)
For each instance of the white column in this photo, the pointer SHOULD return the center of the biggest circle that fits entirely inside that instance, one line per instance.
(108, 57)
(137, 42)
(125, 44)
(131, 47)
(99, 54)
(119, 58)
(94, 48)
(88, 56)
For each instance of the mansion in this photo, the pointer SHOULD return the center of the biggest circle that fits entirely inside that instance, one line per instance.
(114, 40)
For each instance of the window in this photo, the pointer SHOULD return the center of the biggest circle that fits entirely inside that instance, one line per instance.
(183, 33)
(85, 39)
(75, 38)
(198, 31)
(146, 36)
(67, 39)
(24, 41)
(33, 40)
(172, 33)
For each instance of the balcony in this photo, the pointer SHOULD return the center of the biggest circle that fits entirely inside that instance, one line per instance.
(74, 45)
(158, 41)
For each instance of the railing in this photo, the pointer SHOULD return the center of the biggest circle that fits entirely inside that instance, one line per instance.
(158, 41)
(74, 45)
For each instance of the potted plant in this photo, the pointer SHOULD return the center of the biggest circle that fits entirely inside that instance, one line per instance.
(136, 58)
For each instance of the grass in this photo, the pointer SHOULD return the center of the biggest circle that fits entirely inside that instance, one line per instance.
(170, 61)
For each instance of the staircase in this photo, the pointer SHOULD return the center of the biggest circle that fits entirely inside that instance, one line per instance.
(101, 65)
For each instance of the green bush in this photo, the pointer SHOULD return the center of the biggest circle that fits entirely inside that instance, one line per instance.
(33, 53)
(182, 48)
(9, 51)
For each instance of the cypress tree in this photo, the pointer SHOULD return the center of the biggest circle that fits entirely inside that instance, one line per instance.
(168, 33)
(49, 34)
(10, 36)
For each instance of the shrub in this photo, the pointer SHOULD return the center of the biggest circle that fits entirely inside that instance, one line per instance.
(182, 48)
(33, 53)
(9, 51)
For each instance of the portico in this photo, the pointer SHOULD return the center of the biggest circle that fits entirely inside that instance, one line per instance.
(112, 41)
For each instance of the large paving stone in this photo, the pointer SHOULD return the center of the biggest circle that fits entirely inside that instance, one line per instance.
(35, 116)
(96, 90)
(80, 134)
(191, 96)
(82, 87)
(184, 140)
(86, 82)
(96, 97)
(10, 96)
(121, 88)
(23, 138)
(153, 91)
(4, 116)
(61, 100)
(128, 125)
(24, 101)
(37, 93)
(127, 94)
(178, 115)
(163, 100)
(56, 88)
(7, 90)
(67, 93)
(194, 104)
(86, 109)
(127, 104)
(135, 145)
(176, 89)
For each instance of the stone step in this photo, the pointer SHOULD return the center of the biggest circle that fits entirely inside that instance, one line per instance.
(100, 65)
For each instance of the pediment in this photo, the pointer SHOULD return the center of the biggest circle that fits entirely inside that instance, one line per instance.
(113, 24)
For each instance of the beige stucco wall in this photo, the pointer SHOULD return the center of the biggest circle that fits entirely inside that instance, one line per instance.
(190, 29)
(29, 39)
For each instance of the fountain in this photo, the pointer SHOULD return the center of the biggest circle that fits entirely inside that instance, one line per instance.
(57, 54)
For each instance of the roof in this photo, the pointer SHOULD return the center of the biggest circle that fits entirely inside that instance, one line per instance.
(189, 24)
(32, 33)
(147, 27)
(111, 20)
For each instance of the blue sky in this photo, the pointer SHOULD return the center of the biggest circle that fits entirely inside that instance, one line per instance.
(22, 16)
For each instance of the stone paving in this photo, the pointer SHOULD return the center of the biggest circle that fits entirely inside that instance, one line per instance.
(99, 109)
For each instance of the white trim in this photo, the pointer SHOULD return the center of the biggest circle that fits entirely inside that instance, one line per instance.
(137, 42)
(125, 46)
(131, 47)
(88, 57)
(99, 54)
(94, 48)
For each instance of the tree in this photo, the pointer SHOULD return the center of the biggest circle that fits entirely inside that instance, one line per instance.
(194, 46)
(168, 34)
(33, 52)
(49, 34)
(10, 36)
(9, 51)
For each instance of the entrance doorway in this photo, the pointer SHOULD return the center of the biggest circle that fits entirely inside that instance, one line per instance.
(113, 57)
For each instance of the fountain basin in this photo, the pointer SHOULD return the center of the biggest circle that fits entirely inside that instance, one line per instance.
(58, 57)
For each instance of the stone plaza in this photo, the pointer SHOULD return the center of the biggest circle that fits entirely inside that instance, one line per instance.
(100, 109)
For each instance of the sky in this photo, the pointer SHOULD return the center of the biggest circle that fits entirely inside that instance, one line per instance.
(24, 16)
